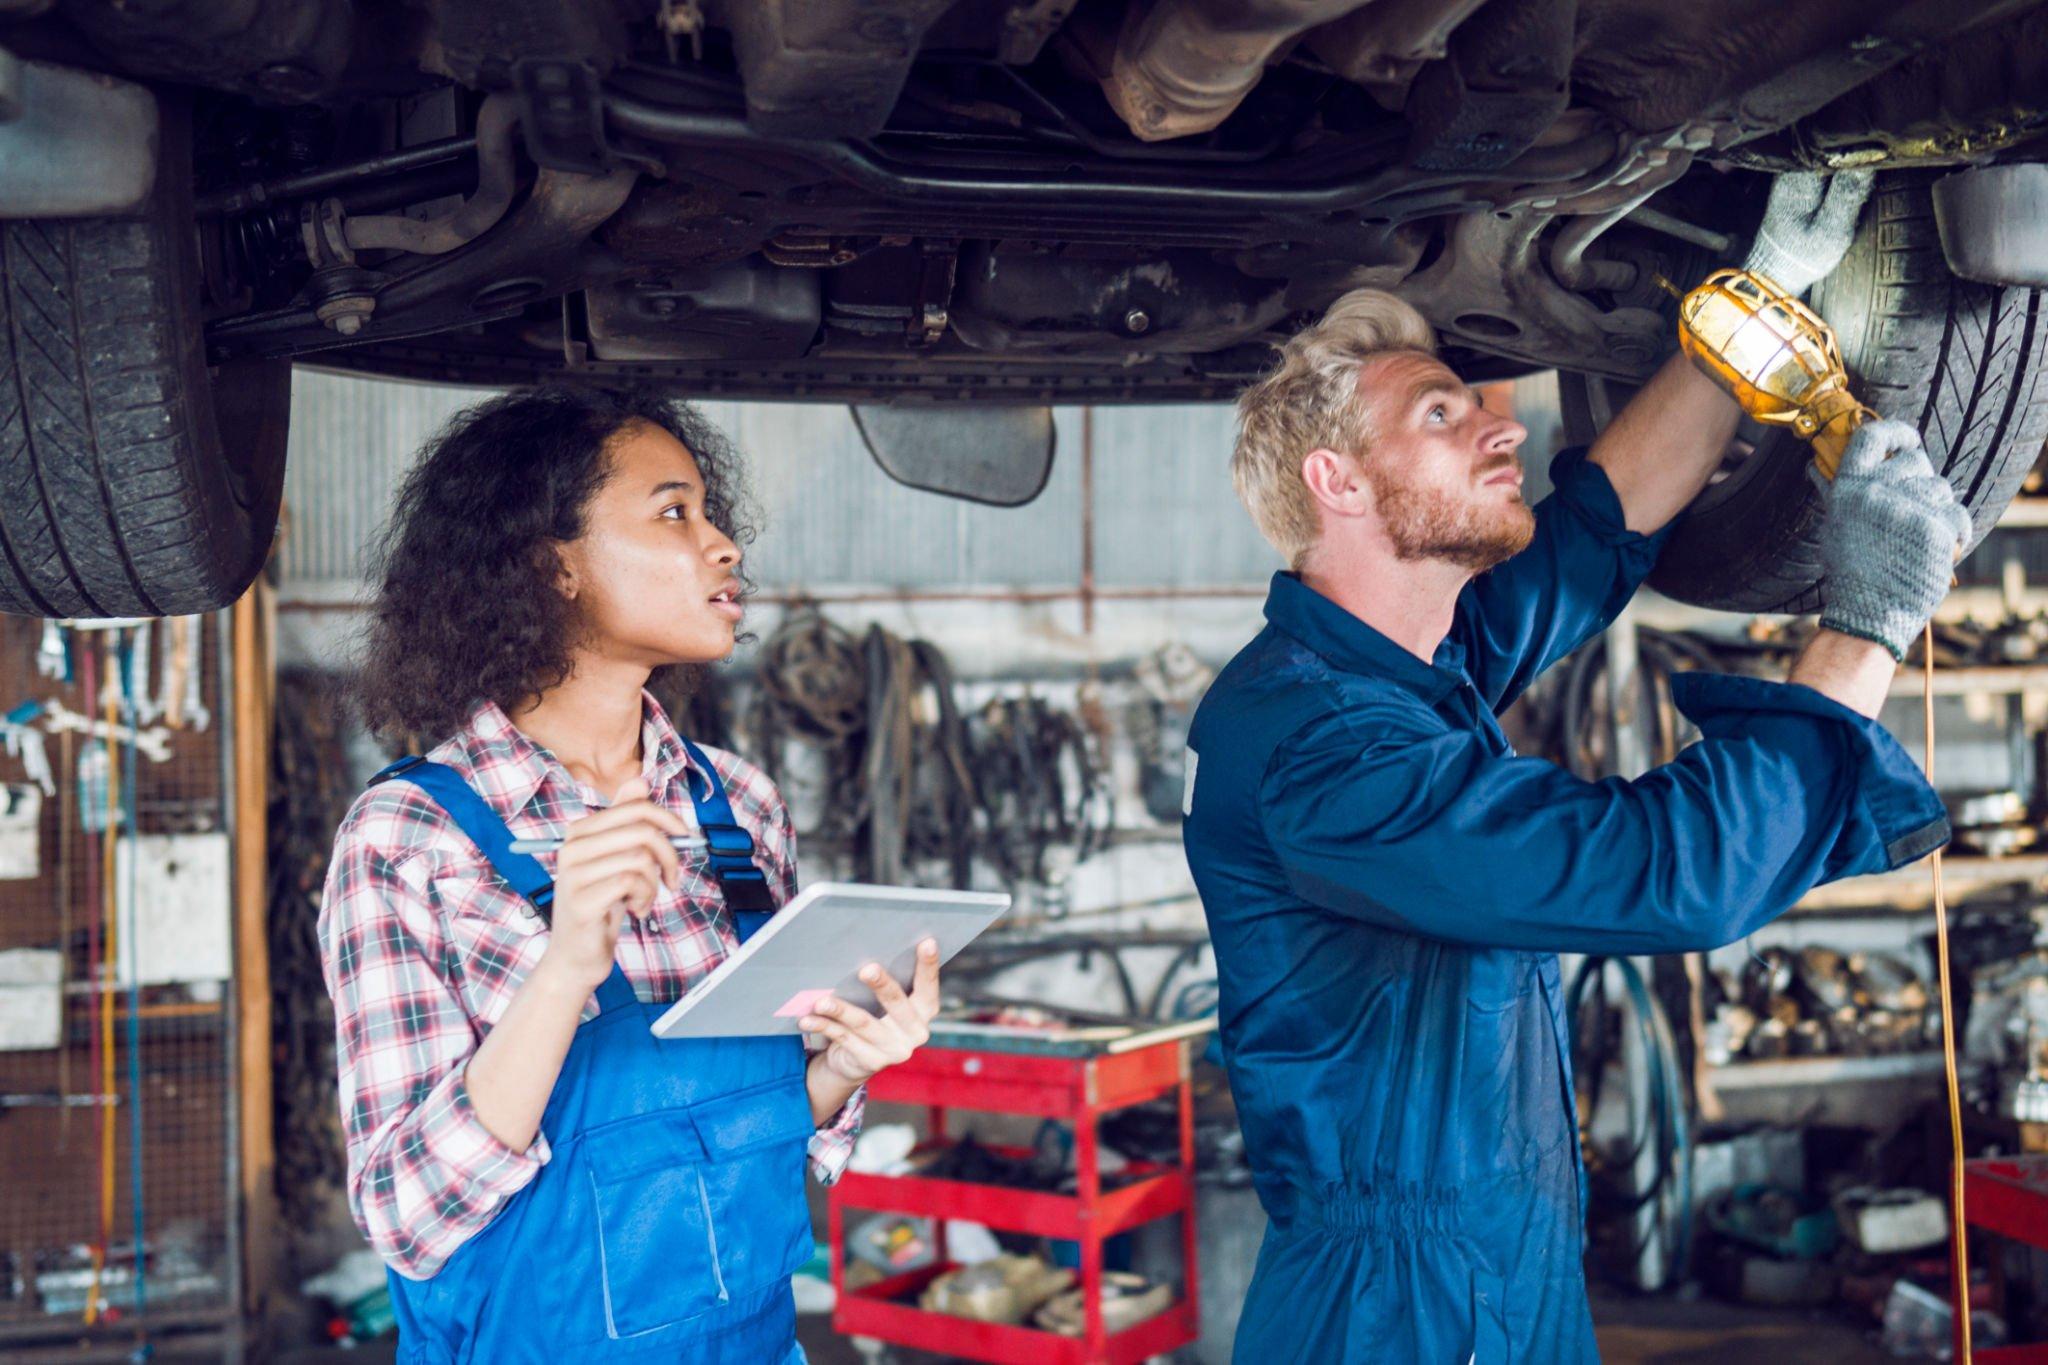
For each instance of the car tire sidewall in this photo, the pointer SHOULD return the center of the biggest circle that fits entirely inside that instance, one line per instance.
(238, 414)
(1750, 544)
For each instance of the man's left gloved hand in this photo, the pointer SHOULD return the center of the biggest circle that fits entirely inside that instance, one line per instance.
(1807, 227)
(1888, 546)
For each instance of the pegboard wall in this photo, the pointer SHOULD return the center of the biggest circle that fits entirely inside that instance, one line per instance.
(116, 983)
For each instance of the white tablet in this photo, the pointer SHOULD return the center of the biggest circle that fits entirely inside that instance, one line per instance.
(816, 945)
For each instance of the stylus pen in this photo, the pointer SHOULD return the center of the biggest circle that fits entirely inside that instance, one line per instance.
(681, 843)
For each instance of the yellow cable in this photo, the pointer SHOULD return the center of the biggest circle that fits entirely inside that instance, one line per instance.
(116, 941)
(1959, 1233)
(109, 953)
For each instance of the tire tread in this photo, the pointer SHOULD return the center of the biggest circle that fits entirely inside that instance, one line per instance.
(111, 493)
(1967, 361)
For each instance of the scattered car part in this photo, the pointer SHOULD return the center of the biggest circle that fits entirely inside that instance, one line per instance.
(1993, 824)
(1882, 1222)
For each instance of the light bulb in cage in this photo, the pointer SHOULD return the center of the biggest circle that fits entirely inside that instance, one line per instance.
(1775, 356)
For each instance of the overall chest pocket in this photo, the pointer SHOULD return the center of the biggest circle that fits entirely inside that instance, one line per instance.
(695, 1207)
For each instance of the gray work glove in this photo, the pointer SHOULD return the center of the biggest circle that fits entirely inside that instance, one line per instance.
(1807, 227)
(1888, 547)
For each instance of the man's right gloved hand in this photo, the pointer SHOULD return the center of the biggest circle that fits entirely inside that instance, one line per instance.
(1888, 549)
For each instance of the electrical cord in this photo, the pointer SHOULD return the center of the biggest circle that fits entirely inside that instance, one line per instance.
(311, 788)
(1959, 1228)
(1663, 653)
(957, 795)
(901, 771)
(812, 686)
(1186, 957)
(1666, 1124)
(1041, 785)
(1576, 735)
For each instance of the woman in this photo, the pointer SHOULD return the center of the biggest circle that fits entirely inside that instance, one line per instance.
(546, 1180)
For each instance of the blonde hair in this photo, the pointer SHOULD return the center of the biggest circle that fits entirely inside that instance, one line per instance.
(1309, 402)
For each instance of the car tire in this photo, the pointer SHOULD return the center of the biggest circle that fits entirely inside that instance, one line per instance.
(134, 479)
(1967, 363)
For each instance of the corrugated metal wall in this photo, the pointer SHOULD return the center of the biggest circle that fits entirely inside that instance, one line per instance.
(832, 520)
(351, 442)
(1165, 516)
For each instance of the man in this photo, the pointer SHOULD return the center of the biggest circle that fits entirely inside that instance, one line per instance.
(1387, 883)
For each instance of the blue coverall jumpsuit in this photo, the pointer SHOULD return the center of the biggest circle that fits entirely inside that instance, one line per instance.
(1387, 886)
(668, 1220)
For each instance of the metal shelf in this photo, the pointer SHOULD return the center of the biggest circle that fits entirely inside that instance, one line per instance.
(1873, 1092)
(1752, 1074)
(1912, 887)
(1991, 680)
(2025, 514)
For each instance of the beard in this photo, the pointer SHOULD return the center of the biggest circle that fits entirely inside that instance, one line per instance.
(1431, 523)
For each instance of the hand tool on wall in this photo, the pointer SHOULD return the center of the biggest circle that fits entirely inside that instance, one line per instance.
(177, 663)
(55, 1099)
(193, 706)
(145, 706)
(53, 656)
(22, 740)
(155, 742)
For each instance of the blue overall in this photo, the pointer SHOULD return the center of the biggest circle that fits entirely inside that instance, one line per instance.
(1387, 886)
(671, 1213)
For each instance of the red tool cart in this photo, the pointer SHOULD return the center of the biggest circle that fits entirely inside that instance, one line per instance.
(1014, 1072)
(2008, 1196)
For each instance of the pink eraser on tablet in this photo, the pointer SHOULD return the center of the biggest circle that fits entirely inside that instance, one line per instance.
(800, 1004)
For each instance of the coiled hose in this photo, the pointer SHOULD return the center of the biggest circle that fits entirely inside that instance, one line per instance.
(1668, 1126)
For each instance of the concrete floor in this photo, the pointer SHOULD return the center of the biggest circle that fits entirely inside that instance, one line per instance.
(1632, 1331)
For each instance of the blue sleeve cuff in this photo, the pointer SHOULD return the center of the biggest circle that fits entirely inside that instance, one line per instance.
(1901, 819)
(1584, 489)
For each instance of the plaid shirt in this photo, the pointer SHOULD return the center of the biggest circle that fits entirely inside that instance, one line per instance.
(424, 948)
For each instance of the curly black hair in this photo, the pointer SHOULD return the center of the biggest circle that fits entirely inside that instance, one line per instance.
(467, 609)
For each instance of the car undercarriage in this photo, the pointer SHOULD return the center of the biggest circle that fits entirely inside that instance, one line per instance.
(1016, 200)
(1007, 201)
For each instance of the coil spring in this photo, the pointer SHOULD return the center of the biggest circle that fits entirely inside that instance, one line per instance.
(264, 243)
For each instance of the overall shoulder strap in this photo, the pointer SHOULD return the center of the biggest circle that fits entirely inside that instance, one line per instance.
(474, 816)
(731, 848)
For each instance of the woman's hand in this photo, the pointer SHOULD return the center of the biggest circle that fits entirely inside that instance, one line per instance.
(861, 1044)
(612, 863)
